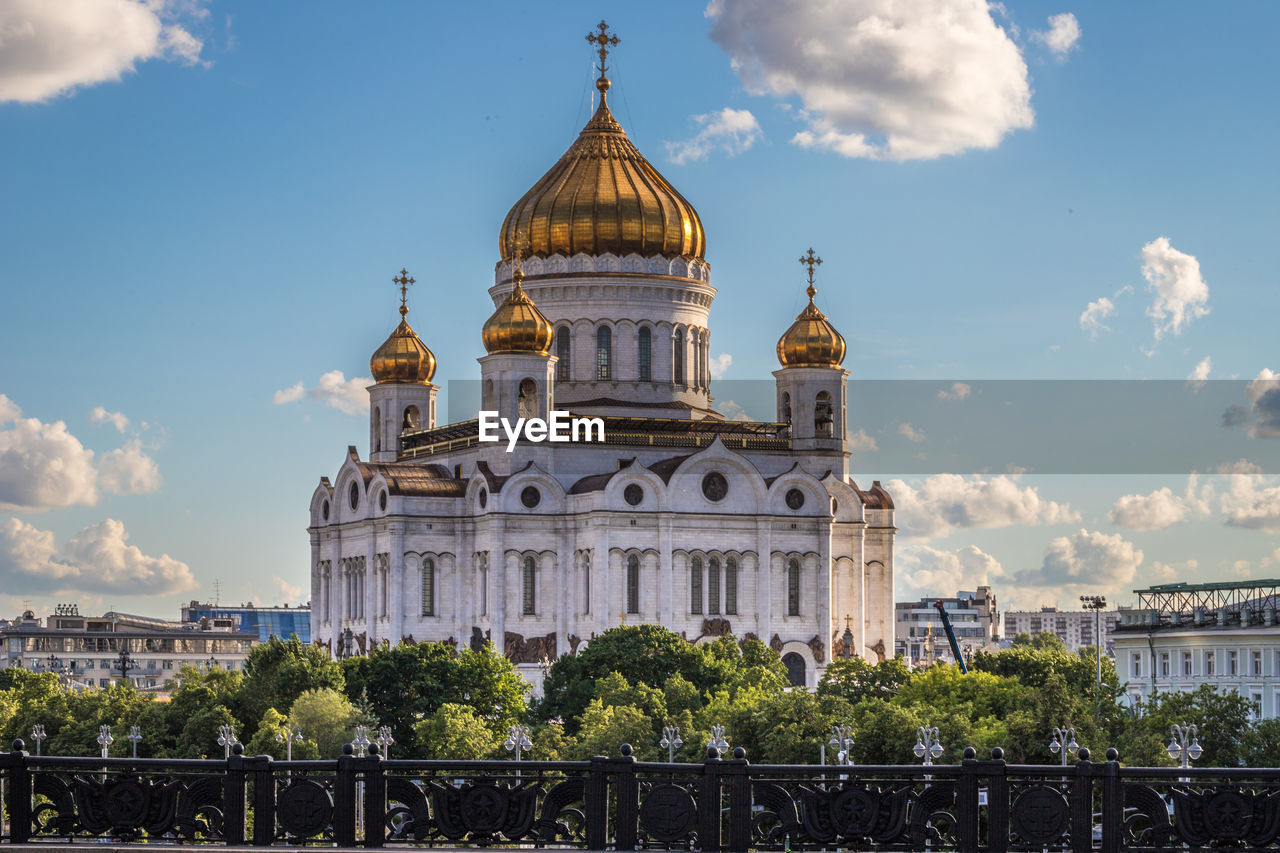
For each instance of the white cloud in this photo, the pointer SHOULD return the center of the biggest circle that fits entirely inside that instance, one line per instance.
(1063, 34)
(731, 131)
(942, 503)
(9, 410)
(1240, 466)
(1162, 508)
(1263, 393)
(1093, 315)
(1087, 558)
(910, 433)
(97, 559)
(861, 441)
(292, 394)
(1180, 291)
(51, 48)
(1252, 503)
(1200, 373)
(334, 390)
(285, 592)
(717, 365)
(959, 391)
(732, 411)
(128, 471)
(879, 78)
(43, 466)
(922, 571)
(117, 419)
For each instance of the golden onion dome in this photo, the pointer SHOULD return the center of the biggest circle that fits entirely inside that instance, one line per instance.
(517, 325)
(603, 196)
(811, 341)
(403, 358)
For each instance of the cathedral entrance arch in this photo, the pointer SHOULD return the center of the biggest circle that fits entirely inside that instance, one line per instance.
(795, 669)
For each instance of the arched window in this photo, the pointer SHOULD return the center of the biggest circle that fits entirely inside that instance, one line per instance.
(677, 358)
(633, 584)
(377, 428)
(695, 585)
(731, 586)
(713, 586)
(823, 419)
(702, 360)
(644, 353)
(529, 597)
(428, 586)
(562, 353)
(527, 405)
(786, 408)
(604, 353)
(412, 419)
(793, 587)
(795, 669)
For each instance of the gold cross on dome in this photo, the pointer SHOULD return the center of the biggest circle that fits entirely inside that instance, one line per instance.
(404, 280)
(605, 40)
(810, 260)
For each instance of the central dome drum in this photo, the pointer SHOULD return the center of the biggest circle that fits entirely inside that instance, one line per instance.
(603, 196)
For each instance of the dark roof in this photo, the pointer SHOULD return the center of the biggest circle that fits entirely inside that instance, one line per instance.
(597, 482)
(875, 497)
(434, 481)
(597, 402)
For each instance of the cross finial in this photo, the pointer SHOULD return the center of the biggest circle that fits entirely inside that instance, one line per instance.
(603, 39)
(519, 244)
(810, 260)
(404, 280)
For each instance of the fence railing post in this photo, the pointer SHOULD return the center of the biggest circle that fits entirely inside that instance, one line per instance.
(18, 790)
(739, 802)
(1082, 804)
(344, 799)
(709, 802)
(264, 799)
(997, 803)
(622, 773)
(597, 803)
(967, 802)
(1112, 803)
(375, 798)
(233, 792)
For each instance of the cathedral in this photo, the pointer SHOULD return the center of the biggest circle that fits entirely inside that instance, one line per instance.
(675, 516)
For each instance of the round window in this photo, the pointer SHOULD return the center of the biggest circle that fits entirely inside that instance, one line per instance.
(484, 498)
(715, 486)
(382, 500)
(795, 498)
(530, 497)
(633, 494)
(324, 510)
(354, 495)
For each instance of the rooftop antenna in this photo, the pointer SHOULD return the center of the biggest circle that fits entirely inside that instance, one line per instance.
(217, 592)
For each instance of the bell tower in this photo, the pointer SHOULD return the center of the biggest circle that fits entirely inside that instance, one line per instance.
(402, 398)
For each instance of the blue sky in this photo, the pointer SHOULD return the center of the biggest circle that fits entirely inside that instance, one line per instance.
(222, 222)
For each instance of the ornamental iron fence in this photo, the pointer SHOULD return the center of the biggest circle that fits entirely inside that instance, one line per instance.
(623, 804)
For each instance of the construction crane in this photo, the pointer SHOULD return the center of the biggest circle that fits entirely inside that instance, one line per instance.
(951, 636)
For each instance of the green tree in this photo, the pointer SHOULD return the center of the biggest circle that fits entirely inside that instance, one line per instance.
(854, 679)
(264, 740)
(456, 732)
(326, 717)
(278, 671)
(1223, 720)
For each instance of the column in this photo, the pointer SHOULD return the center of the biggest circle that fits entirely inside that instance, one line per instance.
(396, 581)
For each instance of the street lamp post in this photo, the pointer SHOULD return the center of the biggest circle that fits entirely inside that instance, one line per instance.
(38, 735)
(226, 739)
(385, 740)
(671, 742)
(1064, 742)
(288, 736)
(1096, 603)
(105, 739)
(842, 740)
(927, 745)
(518, 740)
(361, 740)
(1183, 745)
(124, 663)
(718, 740)
(211, 663)
(135, 735)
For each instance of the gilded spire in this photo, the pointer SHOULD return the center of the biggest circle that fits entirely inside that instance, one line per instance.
(517, 325)
(403, 357)
(811, 341)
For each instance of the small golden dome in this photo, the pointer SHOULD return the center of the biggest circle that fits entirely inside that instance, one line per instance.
(604, 196)
(403, 358)
(811, 341)
(517, 325)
